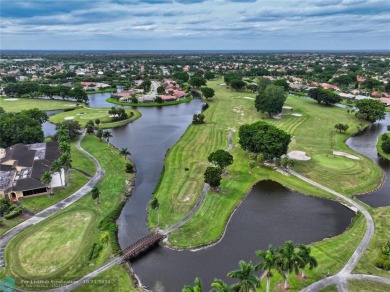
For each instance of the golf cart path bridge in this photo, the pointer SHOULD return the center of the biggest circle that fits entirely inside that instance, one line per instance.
(141, 245)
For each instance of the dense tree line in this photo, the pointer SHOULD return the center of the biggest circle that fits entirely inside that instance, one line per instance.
(24, 127)
(36, 90)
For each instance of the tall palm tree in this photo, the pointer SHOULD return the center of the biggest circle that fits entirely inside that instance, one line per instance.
(196, 288)
(220, 286)
(306, 258)
(247, 280)
(287, 261)
(62, 134)
(107, 135)
(66, 160)
(268, 262)
(125, 152)
(64, 147)
(46, 180)
(57, 167)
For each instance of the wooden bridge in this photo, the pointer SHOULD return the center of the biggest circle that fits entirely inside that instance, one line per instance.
(138, 247)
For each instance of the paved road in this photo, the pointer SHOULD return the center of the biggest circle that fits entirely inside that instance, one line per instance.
(340, 279)
(152, 95)
(6, 237)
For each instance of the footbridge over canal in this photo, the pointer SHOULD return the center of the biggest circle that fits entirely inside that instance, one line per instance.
(142, 245)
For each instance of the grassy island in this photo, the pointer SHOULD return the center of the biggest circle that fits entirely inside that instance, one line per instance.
(149, 104)
(84, 114)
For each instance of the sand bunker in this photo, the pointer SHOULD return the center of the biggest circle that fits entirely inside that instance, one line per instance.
(287, 107)
(11, 99)
(223, 84)
(297, 115)
(340, 153)
(247, 97)
(298, 155)
(68, 118)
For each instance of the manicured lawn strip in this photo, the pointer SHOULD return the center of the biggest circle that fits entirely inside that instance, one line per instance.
(29, 103)
(101, 90)
(366, 265)
(114, 279)
(80, 161)
(367, 286)
(112, 188)
(84, 114)
(149, 104)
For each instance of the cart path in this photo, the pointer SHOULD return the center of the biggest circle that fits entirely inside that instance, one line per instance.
(341, 278)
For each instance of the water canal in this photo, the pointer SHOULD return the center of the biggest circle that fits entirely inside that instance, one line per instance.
(268, 215)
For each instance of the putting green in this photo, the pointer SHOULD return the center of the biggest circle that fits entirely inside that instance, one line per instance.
(33, 251)
(335, 162)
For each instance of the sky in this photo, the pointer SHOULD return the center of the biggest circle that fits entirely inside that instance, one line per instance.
(195, 24)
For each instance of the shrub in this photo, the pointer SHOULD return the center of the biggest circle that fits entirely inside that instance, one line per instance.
(129, 168)
(383, 262)
(386, 146)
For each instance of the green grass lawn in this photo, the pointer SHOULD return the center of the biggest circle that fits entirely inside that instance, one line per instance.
(367, 286)
(85, 114)
(29, 103)
(228, 110)
(34, 255)
(114, 279)
(366, 265)
(112, 189)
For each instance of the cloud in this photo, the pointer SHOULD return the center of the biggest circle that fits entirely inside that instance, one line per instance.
(243, 23)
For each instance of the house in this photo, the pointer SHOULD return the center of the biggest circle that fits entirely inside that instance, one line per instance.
(21, 168)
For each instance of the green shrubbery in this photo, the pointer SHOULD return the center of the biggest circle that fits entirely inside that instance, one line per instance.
(386, 143)
(108, 224)
(383, 260)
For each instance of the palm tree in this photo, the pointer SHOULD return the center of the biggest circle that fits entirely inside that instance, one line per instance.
(46, 179)
(268, 262)
(196, 288)
(287, 261)
(57, 167)
(306, 258)
(220, 286)
(64, 147)
(125, 152)
(247, 280)
(107, 135)
(62, 134)
(66, 161)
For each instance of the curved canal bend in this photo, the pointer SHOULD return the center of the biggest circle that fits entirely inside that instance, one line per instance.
(365, 144)
(264, 217)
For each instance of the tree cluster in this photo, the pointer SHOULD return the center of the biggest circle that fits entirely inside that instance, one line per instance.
(324, 96)
(370, 110)
(24, 127)
(271, 99)
(181, 76)
(285, 260)
(197, 81)
(207, 92)
(342, 128)
(221, 159)
(261, 137)
(118, 114)
(35, 90)
(198, 119)
(71, 128)
(386, 143)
